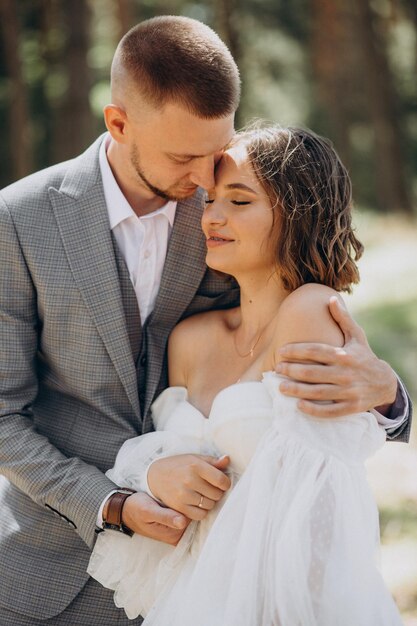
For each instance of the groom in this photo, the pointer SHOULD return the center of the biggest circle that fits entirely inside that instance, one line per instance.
(100, 257)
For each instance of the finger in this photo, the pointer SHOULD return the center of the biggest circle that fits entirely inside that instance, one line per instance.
(212, 460)
(340, 374)
(336, 409)
(222, 463)
(317, 352)
(342, 317)
(319, 393)
(198, 486)
(155, 513)
(195, 513)
(308, 372)
(215, 477)
(204, 503)
(162, 533)
(208, 490)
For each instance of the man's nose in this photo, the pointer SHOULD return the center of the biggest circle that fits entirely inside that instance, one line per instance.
(202, 174)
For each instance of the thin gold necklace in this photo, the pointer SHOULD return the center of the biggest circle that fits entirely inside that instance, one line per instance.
(250, 353)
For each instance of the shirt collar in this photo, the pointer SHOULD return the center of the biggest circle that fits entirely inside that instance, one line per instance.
(118, 207)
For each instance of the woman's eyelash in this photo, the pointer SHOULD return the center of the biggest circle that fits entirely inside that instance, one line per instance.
(235, 202)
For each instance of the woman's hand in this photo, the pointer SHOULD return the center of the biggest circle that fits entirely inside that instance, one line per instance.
(189, 483)
(351, 379)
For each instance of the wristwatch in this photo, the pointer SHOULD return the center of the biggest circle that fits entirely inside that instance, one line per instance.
(114, 506)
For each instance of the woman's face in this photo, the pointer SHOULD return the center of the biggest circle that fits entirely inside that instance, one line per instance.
(238, 218)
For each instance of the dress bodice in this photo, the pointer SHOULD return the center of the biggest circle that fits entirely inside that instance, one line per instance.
(239, 416)
(242, 413)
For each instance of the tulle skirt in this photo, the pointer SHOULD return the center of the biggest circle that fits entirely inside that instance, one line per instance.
(295, 545)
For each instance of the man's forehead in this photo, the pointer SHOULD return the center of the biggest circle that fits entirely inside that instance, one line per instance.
(183, 134)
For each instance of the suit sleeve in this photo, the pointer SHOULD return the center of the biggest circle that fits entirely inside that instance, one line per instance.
(68, 486)
(398, 423)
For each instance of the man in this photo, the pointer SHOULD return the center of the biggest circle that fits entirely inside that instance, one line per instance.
(101, 256)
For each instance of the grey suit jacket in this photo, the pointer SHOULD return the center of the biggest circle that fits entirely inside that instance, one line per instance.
(69, 384)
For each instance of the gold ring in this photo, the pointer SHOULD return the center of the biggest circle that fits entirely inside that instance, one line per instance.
(200, 504)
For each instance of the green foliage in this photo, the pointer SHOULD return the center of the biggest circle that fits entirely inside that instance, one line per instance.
(276, 50)
(399, 522)
(392, 332)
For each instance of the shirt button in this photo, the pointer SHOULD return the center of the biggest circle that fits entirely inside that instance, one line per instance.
(143, 360)
(146, 254)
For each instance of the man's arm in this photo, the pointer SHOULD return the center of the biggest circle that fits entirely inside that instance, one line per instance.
(66, 486)
(352, 378)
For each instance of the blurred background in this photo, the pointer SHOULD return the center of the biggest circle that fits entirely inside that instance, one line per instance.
(345, 68)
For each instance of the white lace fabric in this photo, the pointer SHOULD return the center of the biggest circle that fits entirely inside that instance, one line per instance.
(293, 544)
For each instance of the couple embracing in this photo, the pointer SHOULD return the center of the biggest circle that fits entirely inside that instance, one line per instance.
(182, 279)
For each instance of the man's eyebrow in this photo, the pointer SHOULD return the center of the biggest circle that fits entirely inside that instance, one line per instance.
(240, 186)
(194, 156)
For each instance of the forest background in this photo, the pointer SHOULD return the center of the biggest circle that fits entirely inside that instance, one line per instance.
(345, 68)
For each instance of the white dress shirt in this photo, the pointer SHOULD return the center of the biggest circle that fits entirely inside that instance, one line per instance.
(143, 241)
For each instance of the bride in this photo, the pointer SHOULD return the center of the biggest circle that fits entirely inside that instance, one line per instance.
(293, 543)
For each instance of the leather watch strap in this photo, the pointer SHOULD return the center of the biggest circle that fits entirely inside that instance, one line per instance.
(114, 510)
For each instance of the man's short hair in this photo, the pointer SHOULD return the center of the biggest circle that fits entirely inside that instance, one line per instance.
(178, 59)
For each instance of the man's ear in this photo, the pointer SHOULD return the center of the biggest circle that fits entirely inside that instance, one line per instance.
(115, 119)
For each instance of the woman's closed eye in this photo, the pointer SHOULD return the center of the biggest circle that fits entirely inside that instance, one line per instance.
(235, 202)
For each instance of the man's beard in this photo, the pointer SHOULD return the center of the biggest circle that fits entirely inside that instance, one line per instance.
(165, 194)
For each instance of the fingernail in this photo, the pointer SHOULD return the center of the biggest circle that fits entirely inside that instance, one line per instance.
(224, 456)
(284, 386)
(278, 367)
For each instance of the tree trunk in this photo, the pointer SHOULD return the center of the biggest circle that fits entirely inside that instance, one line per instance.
(19, 123)
(125, 16)
(392, 191)
(226, 19)
(75, 124)
(328, 58)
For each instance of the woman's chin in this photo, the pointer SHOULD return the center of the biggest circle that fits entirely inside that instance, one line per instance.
(218, 267)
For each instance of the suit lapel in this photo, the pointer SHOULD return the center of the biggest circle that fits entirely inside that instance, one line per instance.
(80, 211)
(183, 271)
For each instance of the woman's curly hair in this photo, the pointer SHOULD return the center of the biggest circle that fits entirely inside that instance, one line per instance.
(311, 195)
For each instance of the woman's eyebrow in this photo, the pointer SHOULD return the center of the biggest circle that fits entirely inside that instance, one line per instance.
(240, 186)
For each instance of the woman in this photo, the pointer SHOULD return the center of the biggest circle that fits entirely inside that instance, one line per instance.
(293, 542)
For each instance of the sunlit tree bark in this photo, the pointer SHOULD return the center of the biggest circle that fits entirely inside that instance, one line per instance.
(330, 67)
(126, 17)
(226, 14)
(392, 189)
(75, 127)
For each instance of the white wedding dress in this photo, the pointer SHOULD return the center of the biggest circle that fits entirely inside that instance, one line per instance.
(295, 541)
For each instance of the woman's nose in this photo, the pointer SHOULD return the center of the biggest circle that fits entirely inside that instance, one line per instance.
(213, 214)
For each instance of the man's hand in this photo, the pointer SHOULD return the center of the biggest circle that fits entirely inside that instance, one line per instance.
(189, 483)
(352, 377)
(146, 517)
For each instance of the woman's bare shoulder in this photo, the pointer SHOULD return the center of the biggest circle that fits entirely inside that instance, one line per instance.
(304, 316)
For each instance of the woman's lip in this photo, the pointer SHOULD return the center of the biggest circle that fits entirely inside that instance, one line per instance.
(213, 242)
